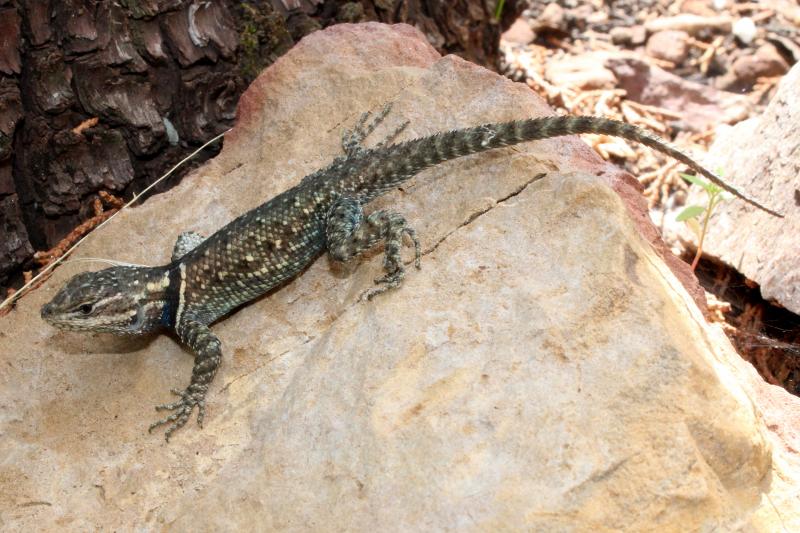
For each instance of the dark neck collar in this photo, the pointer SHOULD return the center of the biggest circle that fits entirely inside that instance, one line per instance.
(171, 299)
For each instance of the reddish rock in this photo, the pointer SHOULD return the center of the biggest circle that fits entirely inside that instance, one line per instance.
(747, 68)
(520, 32)
(766, 62)
(699, 105)
(669, 45)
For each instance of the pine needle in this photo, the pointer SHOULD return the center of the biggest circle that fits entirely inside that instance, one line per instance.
(111, 262)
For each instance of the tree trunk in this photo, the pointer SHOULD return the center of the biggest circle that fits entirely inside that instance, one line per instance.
(102, 97)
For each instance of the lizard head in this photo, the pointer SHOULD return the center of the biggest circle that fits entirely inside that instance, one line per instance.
(121, 299)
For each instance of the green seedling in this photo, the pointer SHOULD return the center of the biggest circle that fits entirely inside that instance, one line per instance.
(499, 9)
(692, 214)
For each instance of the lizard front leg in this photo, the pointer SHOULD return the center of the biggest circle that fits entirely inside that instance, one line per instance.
(208, 354)
(349, 234)
(187, 241)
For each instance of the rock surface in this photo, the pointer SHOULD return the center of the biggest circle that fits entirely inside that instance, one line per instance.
(763, 248)
(544, 371)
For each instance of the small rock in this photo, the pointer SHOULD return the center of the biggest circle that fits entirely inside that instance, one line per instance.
(788, 9)
(520, 32)
(598, 16)
(628, 35)
(639, 35)
(621, 35)
(698, 7)
(553, 18)
(746, 69)
(579, 16)
(669, 45)
(745, 30)
(585, 71)
(691, 24)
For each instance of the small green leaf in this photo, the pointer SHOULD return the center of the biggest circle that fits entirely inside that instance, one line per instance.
(693, 179)
(693, 211)
(694, 225)
(700, 182)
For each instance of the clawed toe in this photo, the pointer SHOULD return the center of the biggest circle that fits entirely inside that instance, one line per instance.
(389, 281)
(183, 410)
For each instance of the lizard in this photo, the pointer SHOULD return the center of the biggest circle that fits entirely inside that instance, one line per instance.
(208, 278)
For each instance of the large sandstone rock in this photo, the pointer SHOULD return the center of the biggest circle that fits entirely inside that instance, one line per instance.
(761, 155)
(545, 371)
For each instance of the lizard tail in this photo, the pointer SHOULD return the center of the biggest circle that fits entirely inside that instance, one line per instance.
(399, 162)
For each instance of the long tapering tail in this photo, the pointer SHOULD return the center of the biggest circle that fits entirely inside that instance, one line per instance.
(397, 163)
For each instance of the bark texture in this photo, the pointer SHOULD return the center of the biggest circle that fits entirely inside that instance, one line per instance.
(105, 96)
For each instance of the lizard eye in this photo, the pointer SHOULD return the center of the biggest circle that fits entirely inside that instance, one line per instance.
(85, 309)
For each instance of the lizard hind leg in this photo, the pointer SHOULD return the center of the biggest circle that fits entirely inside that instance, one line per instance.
(352, 140)
(349, 234)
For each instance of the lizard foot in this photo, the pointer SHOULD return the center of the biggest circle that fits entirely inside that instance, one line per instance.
(393, 264)
(385, 283)
(183, 408)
